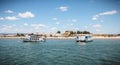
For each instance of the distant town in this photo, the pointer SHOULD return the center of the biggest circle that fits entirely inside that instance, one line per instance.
(67, 33)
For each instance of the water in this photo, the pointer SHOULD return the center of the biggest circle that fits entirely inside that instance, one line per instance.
(60, 52)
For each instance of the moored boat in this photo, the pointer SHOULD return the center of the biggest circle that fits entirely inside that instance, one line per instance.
(34, 38)
(84, 38)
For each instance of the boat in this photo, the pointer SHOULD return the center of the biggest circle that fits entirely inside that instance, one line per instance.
(84, 38)
(34, 38)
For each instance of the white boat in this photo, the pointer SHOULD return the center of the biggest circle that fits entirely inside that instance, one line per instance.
(84, 38)
(33, 38)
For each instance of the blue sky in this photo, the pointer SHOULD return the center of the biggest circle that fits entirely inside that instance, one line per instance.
(49, 16)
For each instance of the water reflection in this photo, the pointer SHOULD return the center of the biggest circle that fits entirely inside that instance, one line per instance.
(33, 42)
(81, 43)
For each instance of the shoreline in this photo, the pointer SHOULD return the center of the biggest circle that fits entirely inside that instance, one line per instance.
(118, 37)
(106, 37)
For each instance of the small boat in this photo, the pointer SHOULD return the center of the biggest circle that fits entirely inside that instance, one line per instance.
(34, 38)
(84, 38)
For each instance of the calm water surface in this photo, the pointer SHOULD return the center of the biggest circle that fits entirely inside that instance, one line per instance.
(60, 52)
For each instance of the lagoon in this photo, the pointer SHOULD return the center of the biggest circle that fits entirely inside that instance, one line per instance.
(60, 52)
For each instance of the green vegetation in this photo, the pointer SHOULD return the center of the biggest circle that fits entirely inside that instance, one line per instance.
(83, 32)
(58, 32)
(20, 34)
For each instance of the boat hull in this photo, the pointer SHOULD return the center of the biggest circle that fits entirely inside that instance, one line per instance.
(84, 40)
(34, 38)
(33, 41)
(26, 40)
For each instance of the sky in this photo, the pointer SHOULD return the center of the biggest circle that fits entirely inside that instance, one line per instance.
(49, 16)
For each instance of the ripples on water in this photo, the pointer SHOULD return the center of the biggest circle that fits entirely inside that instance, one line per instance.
(60, 52)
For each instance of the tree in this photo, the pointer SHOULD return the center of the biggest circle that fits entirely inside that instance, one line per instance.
(22, 34)
(71, 32)
(74, 32)
(79, 32)
(50, 35)
(118, 34)
(18, 34)
(86, 32)
(58, 32)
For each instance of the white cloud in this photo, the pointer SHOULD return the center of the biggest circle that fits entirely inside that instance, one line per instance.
(101, 20)
(38, 26)
(54, 28)
(11, 18)
(63, 8)
(74, 20)
(10, 28)
(97, 16)
(97, 26)
(108, 12)
(69, 24)
(9, 11)
(57, 22)
(55, 19)
(26, 15)
(76, 28)
(25, 24)
(97, 30)
(94, 18)
(7, 27)
(1, 18)
(13, 25)
(22, 15)
(85, 27)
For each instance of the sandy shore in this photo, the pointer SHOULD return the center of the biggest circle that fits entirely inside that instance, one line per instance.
(106, 37)
(60, 37)
(118, 37)
(75, 37)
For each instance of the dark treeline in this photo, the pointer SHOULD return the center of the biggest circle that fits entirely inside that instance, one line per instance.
(20, 34)
(76, 32)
